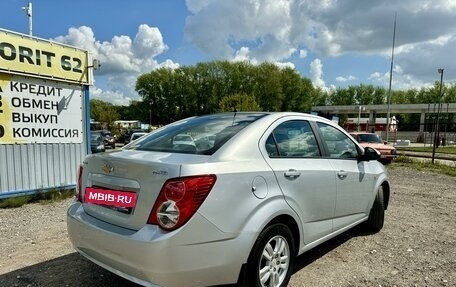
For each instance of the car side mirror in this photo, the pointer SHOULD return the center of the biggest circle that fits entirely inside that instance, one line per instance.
(370, 154)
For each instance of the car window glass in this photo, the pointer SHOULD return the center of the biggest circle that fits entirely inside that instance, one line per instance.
(292, 139)
(339, 144)
(95, 136)
(271, 147)
(198, 135)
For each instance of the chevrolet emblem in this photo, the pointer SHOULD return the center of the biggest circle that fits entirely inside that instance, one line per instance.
(107, 168)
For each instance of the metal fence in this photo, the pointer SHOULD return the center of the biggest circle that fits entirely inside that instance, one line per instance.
(31, 168)
(427, 138)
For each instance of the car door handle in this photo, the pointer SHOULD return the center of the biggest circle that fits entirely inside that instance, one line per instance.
(342, 174)
(292, 174)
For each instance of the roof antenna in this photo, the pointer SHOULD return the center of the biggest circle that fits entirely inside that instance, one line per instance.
(234, 116)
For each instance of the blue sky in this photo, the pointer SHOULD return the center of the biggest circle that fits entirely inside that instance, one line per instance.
(334, 43)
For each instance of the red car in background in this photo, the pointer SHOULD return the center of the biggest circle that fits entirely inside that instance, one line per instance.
(387, 151)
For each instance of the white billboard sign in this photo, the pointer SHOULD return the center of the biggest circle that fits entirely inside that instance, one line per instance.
(34, 110)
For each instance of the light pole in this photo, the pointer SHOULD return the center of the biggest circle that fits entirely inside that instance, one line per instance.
(388, 114)
(437, 129)
(28, 11)
(360, 108)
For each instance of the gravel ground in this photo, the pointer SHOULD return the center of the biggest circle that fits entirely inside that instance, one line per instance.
(417, 246)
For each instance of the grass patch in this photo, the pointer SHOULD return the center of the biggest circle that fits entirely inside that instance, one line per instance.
(14, 202)
(423, 165)
(41, 197)
(442, 149)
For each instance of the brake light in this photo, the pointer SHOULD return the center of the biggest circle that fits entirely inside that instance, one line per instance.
(179, 199)
(78, 194)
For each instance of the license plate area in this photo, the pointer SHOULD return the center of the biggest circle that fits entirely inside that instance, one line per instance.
(122, 201)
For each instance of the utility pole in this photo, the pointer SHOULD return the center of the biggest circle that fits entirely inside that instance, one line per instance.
(28, 11)
(390, 82)
(436, 132)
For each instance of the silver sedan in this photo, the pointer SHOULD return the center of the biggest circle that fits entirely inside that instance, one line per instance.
(225, 198)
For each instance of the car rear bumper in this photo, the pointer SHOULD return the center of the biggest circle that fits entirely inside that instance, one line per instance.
(152, 257)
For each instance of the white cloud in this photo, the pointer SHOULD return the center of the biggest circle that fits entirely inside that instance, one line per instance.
(194, 6)
(273, 30)
(423, 59)
(81, 37)
(316, 72)
(400, 81)
(243, 55)
(169, 64)
(380, 78)
(341, 79)
(122, 59)
(265, 25)
(116, 98)
(283, 65)
(148, 42)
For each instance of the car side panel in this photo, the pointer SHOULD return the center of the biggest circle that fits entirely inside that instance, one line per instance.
(241, 188)
(354, 205)
(312, 194)
(355, 185)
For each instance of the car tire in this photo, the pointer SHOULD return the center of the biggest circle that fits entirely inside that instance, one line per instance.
(377, 213)
(275, 242)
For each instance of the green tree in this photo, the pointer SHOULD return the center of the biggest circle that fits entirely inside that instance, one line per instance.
(158, 94)
(291, 83)
(364, 94)
(238, 102)
(342, 96)
(319, 96)
(103, 112)
(268, 89)
(138, 110)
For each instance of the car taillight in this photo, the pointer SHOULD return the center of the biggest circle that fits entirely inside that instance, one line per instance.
(179, 199)
(79, 184)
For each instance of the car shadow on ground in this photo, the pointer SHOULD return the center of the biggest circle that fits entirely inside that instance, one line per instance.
(75, 270)
(69, 270)
(321, 250)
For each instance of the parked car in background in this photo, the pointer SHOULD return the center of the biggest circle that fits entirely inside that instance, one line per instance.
(129, 133)
(183, 139)
(387, 151)
(261, 189)
(109, 139)
(137, 135)
(97, 142)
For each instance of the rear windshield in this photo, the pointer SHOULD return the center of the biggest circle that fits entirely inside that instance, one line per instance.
(199, 135)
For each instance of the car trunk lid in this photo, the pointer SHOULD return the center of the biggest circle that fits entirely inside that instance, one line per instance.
(135, 177)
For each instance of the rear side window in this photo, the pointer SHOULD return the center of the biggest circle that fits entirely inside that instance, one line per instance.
(292, 139)
(199, 135)
(339, 145)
